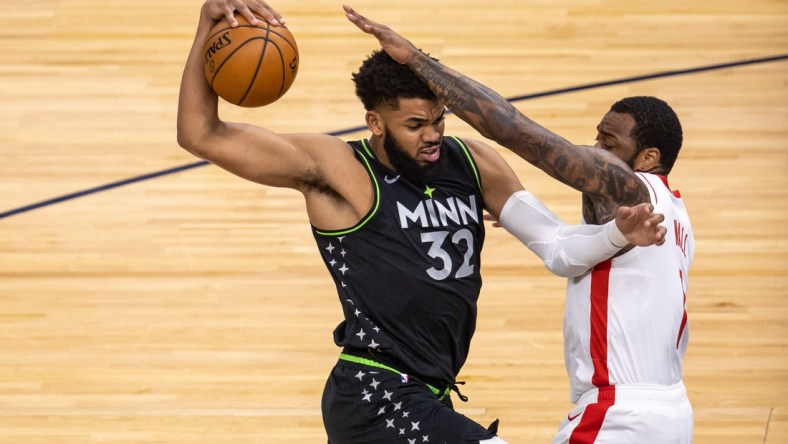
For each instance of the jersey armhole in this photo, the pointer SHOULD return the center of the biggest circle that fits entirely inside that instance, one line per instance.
(357, 146)
(471, 161)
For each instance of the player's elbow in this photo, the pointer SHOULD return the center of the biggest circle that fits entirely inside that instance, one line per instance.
(186, 138)
(565, 269)
(192, 138)
(188, 141)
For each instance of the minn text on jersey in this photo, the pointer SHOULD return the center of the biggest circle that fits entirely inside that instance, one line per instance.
(433, 213)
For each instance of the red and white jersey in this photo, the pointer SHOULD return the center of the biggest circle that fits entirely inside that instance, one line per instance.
(626, 320)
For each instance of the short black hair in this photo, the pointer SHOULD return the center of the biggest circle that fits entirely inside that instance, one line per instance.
(656, 125)
(382, 80)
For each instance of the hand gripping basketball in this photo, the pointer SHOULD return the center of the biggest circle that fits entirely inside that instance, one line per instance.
(250, 65)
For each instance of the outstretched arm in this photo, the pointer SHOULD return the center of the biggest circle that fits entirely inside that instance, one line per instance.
(593, 171)
(566, 250)
(571, 250)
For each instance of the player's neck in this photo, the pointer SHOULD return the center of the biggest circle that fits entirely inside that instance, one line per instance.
(376, 145)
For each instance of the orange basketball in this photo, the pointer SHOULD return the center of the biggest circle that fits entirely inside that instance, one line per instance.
(250, 65)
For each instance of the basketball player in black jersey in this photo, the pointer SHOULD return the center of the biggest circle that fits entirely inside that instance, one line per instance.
(397, 218)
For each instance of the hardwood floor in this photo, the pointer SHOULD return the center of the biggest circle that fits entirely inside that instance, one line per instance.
(192, 307)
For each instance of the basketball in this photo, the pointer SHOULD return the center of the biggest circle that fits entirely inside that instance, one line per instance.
(249, 65)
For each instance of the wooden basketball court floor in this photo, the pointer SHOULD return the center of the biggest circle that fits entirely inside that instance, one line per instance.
(192, 307)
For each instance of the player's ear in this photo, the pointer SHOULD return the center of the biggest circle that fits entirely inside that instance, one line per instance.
(647, 159)
(375, 123)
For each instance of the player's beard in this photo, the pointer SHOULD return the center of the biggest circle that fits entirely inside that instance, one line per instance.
(407, 167)
(633, 158)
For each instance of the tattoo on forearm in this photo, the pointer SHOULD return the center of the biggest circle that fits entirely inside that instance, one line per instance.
(607, 183)
(483, 109)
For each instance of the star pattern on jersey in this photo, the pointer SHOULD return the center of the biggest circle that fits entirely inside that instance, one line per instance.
(373, 392)
(396, 419)
(428, 191)
(332, 260)
(335, 260)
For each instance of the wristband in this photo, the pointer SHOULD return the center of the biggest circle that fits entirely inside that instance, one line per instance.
(614, 235)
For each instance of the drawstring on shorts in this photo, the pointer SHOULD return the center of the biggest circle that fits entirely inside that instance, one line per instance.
(456, 389)
(441, 394)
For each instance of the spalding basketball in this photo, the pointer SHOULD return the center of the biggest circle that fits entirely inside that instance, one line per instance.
(250, 65)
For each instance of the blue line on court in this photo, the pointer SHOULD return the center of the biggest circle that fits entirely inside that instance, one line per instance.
(359, 128)
(656, 75)
(101, 188)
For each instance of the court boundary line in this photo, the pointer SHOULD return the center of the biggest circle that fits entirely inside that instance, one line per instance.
(552, 92)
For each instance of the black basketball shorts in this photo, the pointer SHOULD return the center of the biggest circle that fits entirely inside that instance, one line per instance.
(368, 405)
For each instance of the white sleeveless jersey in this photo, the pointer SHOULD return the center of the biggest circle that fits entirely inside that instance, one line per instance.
(626, 320)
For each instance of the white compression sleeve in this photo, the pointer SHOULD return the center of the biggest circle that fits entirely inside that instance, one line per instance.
(567, 250)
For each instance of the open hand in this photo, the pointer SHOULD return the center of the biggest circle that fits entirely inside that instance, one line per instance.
(398, 47)
(640, 225)
(225, 9)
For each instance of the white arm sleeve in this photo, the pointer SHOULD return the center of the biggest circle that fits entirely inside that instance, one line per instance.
(567, 250)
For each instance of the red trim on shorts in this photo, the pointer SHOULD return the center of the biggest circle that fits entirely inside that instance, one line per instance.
(593, 417)
(600, 278)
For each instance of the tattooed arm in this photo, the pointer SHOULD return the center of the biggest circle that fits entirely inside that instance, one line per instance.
(605, 179)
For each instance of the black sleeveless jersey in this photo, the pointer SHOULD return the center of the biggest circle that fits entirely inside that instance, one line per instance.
(407, 274)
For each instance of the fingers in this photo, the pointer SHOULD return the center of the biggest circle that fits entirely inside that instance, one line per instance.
(661, 235)
(268, 13)
(625, 212)
(251, 10)
(364, 23)
(229, 15)
(490, 218)
(357, 19)
(641, 225)
(654, 219)
(661, 231)
(352, 15)
(645, 209)
(641, 211)
(247, 13)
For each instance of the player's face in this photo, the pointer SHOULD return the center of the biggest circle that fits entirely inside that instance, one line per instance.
(417, 126)
(404, 164)
(614, 135)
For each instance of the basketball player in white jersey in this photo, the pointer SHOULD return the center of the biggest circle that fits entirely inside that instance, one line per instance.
(625, 326)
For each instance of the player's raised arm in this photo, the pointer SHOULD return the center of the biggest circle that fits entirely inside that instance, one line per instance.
(597, 172)
(249, 151)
